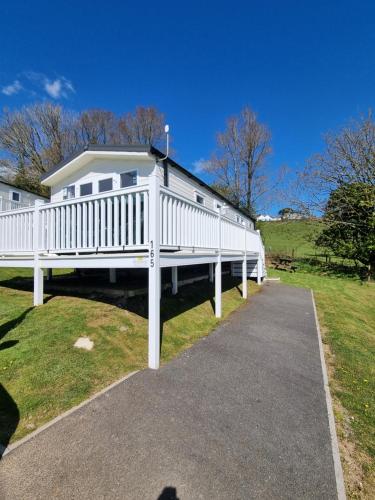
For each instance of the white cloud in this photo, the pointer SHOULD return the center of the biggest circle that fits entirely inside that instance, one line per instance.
(12, 88)
(53, 89)
(199, 165)
(58, 88)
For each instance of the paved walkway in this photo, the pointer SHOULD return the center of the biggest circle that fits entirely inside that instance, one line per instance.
(241, 415)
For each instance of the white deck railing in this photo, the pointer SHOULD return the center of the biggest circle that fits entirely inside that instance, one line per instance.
(119, 220)
(184, 223)
(107, 222)
(16, 230)
(6, 204)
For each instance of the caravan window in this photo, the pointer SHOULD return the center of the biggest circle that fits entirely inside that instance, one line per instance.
(69, 192)
(105, 185)
(16, 196)
(199, 198)
(85, 189)
(129, 179)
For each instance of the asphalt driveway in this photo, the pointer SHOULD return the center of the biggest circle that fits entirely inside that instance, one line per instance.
(241, 415)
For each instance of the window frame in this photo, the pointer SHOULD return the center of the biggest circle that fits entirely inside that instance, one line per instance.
(200, 195)
(86, 184)
(134, 170)
(105, 190)
(217, 205)
(18, 193)
(66, 190)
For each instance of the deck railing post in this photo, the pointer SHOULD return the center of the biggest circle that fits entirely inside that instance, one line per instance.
(38, 271)
(218, 269)
(244, 265)
(154, 271)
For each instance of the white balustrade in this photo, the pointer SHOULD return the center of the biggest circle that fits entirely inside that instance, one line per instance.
(119, 220)
(187, 224)
(109, 221)
(6, 204)
(16, 230)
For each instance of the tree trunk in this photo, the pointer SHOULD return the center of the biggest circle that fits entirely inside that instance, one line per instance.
(371, 269)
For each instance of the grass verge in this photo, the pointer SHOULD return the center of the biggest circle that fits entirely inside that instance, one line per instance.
(346, 313)
(43, 375)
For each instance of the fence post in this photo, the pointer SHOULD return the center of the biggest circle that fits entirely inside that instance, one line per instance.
(154, 272)
(244, 266)
(38, 271)
(218, 269)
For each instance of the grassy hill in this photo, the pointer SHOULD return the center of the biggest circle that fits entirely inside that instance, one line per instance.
(294, 238)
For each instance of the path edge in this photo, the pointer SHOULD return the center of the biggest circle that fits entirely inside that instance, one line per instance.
(340, 484)
(54, 421)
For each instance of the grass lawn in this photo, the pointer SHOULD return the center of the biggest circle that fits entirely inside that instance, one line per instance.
(42, 374)
(294, 237)
(346, 310)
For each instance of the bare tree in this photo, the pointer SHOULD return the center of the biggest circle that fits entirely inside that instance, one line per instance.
(34, 139)
(241, 153)
(97, 126)
(144, 126)
(349, 158)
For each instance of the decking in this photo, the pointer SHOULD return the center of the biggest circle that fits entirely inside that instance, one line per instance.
(139, 227)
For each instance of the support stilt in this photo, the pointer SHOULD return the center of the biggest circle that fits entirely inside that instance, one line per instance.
(154, 271)
(218, 288)
(38, 285)
(244, 278)
(38, 271)
(211, 272)
(174, 280)
(112, 276)
(49, 274)
(259, 271)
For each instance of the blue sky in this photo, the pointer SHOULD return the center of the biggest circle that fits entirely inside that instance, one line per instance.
(304, 67)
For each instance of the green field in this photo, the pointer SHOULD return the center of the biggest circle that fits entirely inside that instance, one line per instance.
(293, 238)
(42, 374)
(346, 309)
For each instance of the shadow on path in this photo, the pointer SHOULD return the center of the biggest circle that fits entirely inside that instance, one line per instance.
(168, 493)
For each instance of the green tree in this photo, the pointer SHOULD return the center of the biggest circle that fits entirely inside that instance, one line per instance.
(285, 212)
(350, 224)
